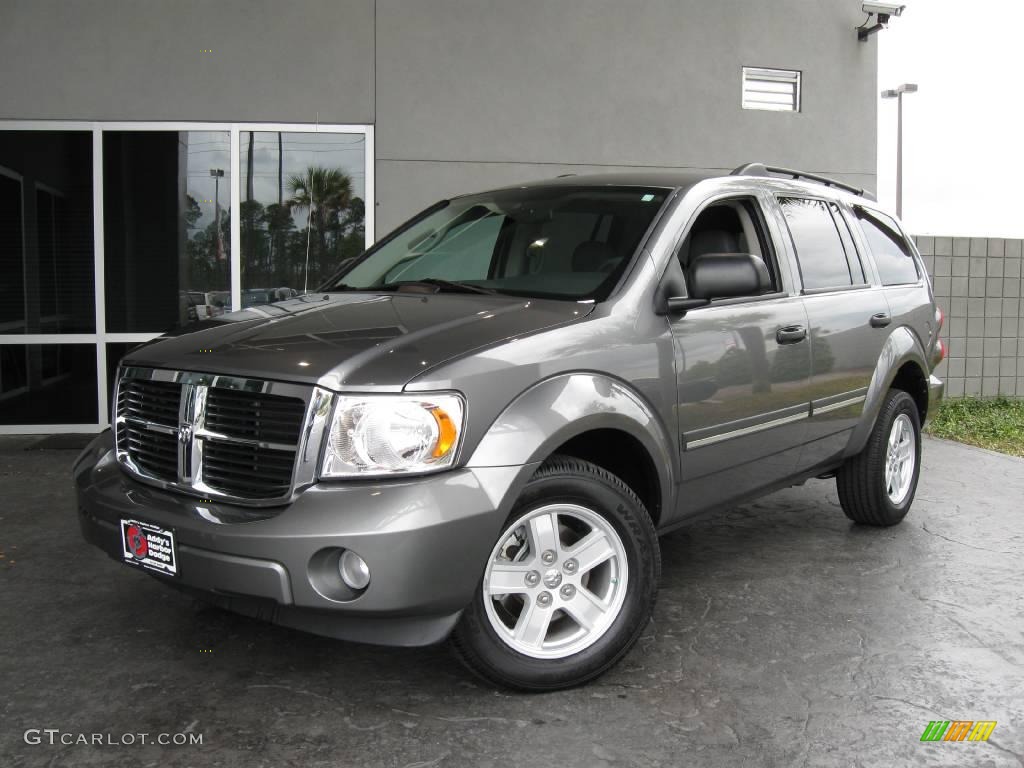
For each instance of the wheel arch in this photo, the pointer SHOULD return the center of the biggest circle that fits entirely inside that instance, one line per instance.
(902, 364)
(591, 416)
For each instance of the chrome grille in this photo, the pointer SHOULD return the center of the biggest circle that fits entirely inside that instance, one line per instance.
(264, 418)
(247, 470)
(247, 440)
(142, 402)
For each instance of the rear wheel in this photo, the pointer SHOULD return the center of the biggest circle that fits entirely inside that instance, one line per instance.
(877, 486)
(569, 584)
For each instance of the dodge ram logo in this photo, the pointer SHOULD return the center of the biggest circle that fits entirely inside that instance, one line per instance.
(185, 434)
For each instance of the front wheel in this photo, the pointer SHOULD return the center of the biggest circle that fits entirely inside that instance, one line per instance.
(569, 585)
(877, 486)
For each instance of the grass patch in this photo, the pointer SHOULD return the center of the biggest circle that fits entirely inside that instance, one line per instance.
(996, 424)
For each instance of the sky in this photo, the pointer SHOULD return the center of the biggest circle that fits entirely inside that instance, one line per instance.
(963, 131)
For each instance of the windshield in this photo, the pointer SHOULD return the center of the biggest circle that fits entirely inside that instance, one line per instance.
(553, 242)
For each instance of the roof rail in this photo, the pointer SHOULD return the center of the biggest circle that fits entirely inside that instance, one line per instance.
(760, 169)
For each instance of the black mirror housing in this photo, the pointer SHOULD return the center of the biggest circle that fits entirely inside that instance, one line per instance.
(725, 275)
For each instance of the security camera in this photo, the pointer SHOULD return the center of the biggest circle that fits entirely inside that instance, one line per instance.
(882, 13)
(883, 9)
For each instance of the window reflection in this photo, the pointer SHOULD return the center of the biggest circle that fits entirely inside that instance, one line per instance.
(48, 384)
(46, 248)
(302, 211)
(167, 227)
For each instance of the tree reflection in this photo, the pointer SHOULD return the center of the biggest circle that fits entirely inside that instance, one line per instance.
(301, 240)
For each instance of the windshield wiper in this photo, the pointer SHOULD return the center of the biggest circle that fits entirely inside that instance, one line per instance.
(443, 285)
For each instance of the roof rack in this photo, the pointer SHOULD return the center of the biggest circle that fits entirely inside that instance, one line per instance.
(760, 169)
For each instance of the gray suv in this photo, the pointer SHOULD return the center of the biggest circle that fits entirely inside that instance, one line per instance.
(478, 429)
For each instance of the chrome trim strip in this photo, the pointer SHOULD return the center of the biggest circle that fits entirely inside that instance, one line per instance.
(152, 426)
(314, 435)
(760, 427)
(816, 409)
(208, 434)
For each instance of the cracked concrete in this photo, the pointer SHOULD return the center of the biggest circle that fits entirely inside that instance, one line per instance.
(784, 636)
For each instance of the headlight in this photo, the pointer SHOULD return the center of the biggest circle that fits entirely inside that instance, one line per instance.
(392, 434)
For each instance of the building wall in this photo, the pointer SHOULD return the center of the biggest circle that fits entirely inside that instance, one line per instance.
(978, 284)
(465, 94)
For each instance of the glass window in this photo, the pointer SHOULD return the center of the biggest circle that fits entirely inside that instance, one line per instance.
(730, 226)
(893, 257)
(819, 249)
(457, 255)
(167, 229)
(12, 255)
(558, 242)
(48, 384)
(852, 257)
(302, 210)
(46, 240)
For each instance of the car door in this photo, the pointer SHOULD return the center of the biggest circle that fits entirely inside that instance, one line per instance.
(742, 366)
(849, 321)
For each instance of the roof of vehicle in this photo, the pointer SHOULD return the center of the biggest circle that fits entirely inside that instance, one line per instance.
(682, 179)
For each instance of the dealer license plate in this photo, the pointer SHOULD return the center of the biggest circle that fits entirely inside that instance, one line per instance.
(149, 546)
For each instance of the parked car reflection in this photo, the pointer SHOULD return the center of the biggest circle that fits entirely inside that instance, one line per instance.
(253, 296)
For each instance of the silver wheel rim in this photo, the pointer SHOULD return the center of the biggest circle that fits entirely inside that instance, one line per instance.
(900, 458)
(556, 581)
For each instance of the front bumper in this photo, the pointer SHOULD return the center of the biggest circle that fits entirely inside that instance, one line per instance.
(426, 541)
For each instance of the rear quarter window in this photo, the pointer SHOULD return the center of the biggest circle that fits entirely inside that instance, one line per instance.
(893, 255)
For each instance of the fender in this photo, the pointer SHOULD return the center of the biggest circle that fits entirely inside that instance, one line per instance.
(901, 347)
(564, 406)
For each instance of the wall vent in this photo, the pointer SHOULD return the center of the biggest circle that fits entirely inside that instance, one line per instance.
(773, 89)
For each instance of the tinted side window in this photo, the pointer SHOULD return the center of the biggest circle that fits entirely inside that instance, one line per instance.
(856, 268)
(819, 249)
(893, 256)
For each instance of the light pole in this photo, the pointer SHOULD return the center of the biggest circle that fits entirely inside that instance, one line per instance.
(898, 95)
(217, 174)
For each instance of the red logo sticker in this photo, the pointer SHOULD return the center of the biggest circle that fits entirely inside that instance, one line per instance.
(137, 542)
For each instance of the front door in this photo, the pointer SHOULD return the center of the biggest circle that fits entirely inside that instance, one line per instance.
(742, 367)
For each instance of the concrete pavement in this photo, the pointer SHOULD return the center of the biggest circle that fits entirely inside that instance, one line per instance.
(784, 636)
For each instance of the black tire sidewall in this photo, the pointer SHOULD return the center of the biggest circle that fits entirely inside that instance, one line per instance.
(487, 653)
(899, 402)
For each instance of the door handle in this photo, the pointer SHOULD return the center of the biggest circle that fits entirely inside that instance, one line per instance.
(791, 334)
(881, 320)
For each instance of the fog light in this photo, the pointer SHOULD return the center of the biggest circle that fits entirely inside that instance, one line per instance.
(354, 570)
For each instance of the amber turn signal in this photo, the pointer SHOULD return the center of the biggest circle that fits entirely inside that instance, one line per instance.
(446, 432)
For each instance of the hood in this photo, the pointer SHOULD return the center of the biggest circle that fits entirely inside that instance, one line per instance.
(353, 340)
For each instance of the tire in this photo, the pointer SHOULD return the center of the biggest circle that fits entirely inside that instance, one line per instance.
(868, 492)
(555, 648)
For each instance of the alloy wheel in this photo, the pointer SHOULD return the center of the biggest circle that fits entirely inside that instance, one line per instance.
(556, 581)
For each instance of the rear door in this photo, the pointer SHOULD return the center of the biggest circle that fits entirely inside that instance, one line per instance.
(849, 321)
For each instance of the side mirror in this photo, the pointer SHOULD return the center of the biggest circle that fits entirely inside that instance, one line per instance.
(724, 275)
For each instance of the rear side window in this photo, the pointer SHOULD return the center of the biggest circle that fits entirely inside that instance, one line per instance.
(819, 248)
(893, 257)
(856, 268)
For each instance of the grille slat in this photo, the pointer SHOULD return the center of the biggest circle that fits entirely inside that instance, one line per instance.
(255, 416)
(240, 470)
